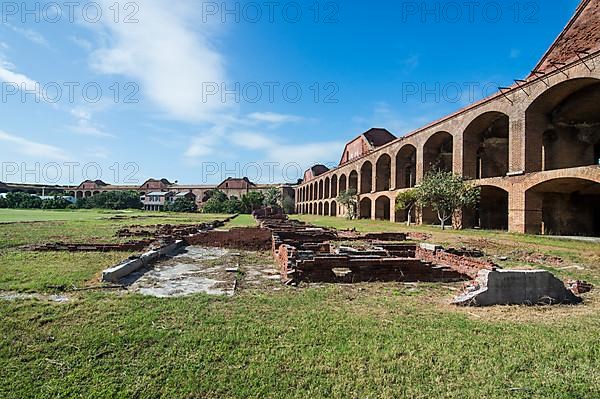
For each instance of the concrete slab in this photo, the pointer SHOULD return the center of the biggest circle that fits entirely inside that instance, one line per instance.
(516, 287)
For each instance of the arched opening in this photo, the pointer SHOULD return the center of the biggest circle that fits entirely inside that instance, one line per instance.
(343, 184)
(326, 209)
(87, 194)
(406, 167)
(320, 210)
(334, 187)
(320, 189)
(485, 146)
(353, 181)
(311, 209)
(492, 211)
(383, 208)
(79, 195)
(366, 178)
(310, 192)
(333, 206)
(567, 206)
(438, 153)
(365, 208)
(327, 187)
(562, 128)
(383, 173)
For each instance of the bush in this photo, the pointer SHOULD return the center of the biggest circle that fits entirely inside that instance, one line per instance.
(22, 201)
(115, 200)
(55, 203)
(182, 205)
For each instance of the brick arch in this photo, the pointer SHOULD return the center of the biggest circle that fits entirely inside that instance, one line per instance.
(366, 177)
(327, 188)
(383, 173)
(438, 151)
(591, 174)
(334, 187)
(485, 146)
(564, 206)
(342, 183)
(554, 119)
(383, 208)
(406, 166)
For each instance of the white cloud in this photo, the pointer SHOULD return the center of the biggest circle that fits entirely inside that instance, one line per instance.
(84, 44)
(272, 117)
(168, 56)
(250, 140)
(18, 79)
(29, 34)
(32, 148)
(85, 125)
(206, 143)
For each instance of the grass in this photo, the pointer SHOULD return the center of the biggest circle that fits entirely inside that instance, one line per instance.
(347, 341)
(242, 221)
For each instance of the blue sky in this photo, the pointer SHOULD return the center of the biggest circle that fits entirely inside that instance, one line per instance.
(198, 91)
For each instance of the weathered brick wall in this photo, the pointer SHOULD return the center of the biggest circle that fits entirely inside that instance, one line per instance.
(461, 264)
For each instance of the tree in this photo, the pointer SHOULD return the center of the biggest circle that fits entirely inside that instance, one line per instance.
(446, 193)
(349, 199)
(214, 205)
(20, 200)
(272, 197)
(216, 194)
(233, 206)
(406, 201)
(182, 205)
(115, 200)
(3, 203)
(253, 201)
(55, 203)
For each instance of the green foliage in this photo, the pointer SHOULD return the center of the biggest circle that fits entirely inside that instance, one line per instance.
(219, 203)
(3, 203)
(252, 201)
(406, 201)
(55, 203)
(446, 193)
(272, 197)
(213, 205)
(22, 201)
(182, 205)
(216, 194)
(233, 206)
(349, 199)
(115, 200)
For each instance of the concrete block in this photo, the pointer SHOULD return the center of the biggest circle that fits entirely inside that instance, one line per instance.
(430, 247)
(114, 274)
(516, 287)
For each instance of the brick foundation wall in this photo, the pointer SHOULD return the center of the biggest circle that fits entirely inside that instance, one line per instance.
(461, 264)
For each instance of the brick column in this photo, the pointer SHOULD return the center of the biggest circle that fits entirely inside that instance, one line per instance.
(525, 212)
(420, 164)
(393, 173)
(516, 144)
(457, 154)
(373, 210)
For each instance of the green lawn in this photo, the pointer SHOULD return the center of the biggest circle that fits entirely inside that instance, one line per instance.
(345, 341)
(242, 221)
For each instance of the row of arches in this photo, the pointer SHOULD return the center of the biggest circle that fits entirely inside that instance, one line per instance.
(562, 206)
(562, 130)
(324, 208)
